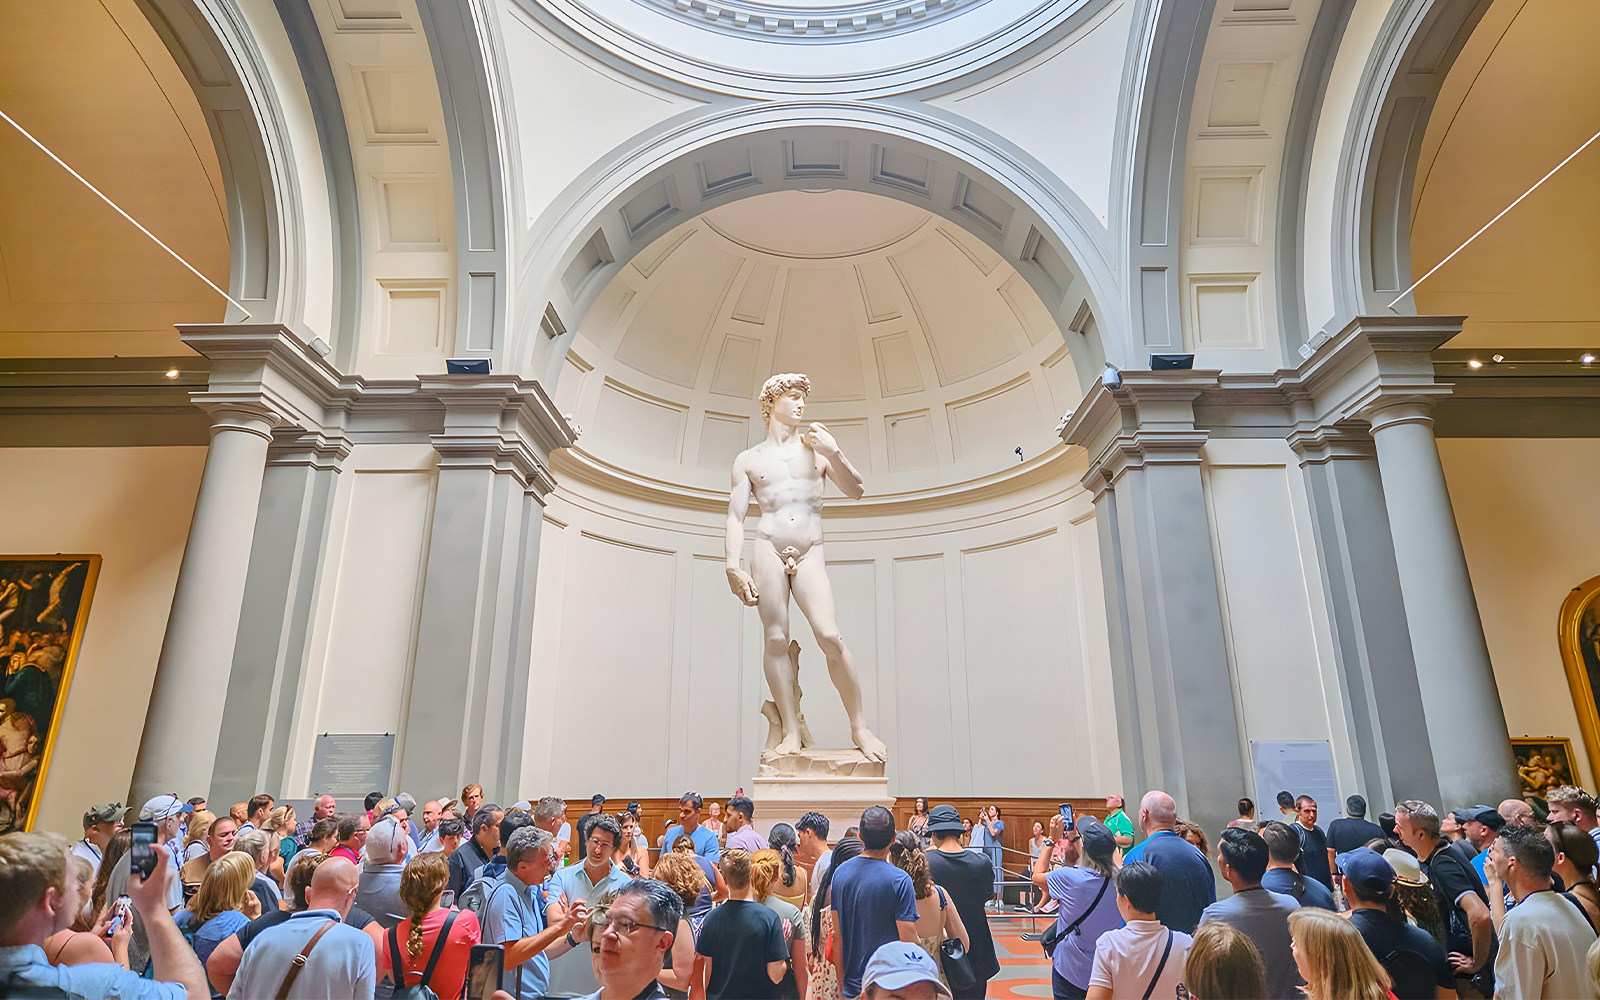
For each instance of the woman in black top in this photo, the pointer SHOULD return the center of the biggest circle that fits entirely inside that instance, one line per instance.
(968, 878)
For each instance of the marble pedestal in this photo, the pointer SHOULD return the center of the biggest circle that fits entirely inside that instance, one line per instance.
(837, 783)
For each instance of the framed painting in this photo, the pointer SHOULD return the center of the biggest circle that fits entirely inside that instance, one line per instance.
(44, 605)
(1578, 632)
(1543, 763)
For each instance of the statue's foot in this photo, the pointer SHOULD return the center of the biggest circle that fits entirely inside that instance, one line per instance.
(871, 747)
(788, 745)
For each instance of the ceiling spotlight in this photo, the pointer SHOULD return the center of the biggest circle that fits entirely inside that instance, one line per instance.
(1474, 364)
(1587, 359)
(172, 373)
(1499, 358)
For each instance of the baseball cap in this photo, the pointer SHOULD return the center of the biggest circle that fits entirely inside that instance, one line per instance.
(898, 964)
(1098, 841)
(106, 813)
(1367, 870)
(944, 819)
(1489, 816)
(387, 806)
(164, 807)
(407, 801)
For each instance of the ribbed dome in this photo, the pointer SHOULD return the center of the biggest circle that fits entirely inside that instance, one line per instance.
(931, 359)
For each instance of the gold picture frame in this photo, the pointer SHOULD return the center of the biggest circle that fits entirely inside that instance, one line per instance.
(1543, 763)
(44, 607)
(1578, 632)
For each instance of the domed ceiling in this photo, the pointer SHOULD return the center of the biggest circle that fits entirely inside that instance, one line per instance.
(931, 359)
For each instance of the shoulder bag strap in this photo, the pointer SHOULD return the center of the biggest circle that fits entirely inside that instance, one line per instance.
(396, 967)
(299, 961)
(438, 947)
(1072, 928)
(1148, 990)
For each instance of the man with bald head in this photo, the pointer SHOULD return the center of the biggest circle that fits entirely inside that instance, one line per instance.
(1516, 812)
(1187, 885)
(339, 961)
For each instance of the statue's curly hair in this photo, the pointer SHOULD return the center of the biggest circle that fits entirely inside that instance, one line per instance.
(777, 385)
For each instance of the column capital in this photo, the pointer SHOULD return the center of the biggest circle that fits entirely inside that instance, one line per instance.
(267, 367)
(1147, 419)
(323, 450)
(502, 423)
(1317, 444)
(1374, 363)
(240, 414)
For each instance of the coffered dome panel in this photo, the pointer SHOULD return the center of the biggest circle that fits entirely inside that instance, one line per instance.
(931, 359)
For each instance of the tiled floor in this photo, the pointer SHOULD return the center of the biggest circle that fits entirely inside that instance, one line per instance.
(1024, 971)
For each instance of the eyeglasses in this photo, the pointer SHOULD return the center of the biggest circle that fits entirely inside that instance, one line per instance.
(625, 927)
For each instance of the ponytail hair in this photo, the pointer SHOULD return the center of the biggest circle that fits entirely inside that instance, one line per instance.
(785, 841)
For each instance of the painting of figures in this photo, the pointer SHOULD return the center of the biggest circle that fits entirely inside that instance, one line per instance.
(44, 605)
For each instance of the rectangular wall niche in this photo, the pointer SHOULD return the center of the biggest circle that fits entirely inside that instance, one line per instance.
(414, 314)
(1226, 310)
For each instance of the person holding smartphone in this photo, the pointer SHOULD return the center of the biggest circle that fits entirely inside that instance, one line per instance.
(38, 898)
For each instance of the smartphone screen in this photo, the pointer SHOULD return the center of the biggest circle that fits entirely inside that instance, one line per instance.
(447, 898)
(1066, 814)
(484, 969)
(141, 850)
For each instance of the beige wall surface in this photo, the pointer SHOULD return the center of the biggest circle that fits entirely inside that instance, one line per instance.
(1526, 513)
(131, 506)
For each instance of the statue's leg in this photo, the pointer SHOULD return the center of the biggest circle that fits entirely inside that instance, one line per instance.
(772, 583)
(814, 594)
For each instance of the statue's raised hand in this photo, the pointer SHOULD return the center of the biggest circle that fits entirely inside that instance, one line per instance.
(743, 587)
(820, 440)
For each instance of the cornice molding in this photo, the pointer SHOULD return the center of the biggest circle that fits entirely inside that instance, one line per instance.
(584, 468)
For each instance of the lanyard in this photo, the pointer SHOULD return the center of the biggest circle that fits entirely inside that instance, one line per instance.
(91, 847)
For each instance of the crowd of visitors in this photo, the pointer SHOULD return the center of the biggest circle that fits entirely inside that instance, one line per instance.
(470, 899)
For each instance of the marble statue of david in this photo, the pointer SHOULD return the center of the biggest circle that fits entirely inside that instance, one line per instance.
(785, 473)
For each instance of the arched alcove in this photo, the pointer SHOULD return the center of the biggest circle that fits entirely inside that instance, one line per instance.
(670, 175)
(965, 574)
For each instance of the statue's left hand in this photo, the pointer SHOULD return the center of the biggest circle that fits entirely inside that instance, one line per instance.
(820, 440)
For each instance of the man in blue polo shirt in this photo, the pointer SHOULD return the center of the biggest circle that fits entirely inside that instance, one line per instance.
(518, 915)
(1187, 885)
(705, 842)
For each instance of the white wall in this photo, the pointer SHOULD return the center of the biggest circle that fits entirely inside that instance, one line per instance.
(132, 507)
(1526, 513)
(978, 631)
(1286, 685)
(363, 640)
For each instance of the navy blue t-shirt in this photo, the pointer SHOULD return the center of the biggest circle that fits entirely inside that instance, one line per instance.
(1187, 885)
(869, 895)
(1306, 891)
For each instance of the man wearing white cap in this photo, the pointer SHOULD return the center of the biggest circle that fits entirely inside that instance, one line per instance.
(901, 970)
(167, 812)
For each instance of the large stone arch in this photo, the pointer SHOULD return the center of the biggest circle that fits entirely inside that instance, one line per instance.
(1413, 53)
(690, 165)
(214, 45)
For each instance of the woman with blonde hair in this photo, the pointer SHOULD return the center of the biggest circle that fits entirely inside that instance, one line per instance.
(937, 919)
(222, 906)
(766, 877)
(281, 823)
(1223, 964)
(194, 840)
(433, 936)
(680, 874)
(1333, 958)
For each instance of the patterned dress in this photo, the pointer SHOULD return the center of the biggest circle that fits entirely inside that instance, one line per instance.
(824, 983)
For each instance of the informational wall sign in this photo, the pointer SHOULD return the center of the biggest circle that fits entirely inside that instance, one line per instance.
(1300, 767)
(352, 764)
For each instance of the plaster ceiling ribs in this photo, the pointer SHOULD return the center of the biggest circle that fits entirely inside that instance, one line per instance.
(798, 21)
(782, 48)
(822, 159)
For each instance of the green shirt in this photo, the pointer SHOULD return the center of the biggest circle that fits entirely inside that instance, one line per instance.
(1119, 824)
